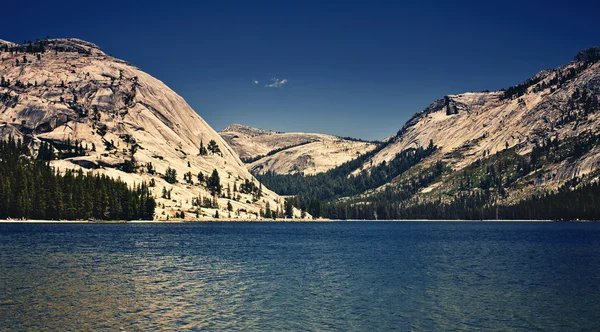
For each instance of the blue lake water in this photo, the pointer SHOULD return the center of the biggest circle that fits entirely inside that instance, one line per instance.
(351, 276)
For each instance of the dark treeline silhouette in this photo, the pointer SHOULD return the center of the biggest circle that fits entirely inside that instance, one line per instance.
(354, 139)
(41, 46)
(565, 204)
(30, 188)
(28, 46)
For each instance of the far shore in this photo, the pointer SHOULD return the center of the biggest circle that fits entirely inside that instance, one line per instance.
(278, 221)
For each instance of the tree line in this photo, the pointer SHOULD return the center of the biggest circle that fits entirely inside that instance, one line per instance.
(475, 192)
(338, 182)
(250, 160)
(30, 188)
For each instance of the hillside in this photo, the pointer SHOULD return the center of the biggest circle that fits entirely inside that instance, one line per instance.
(103, 115)
(486, 151)
(553, 105)
(291, 153)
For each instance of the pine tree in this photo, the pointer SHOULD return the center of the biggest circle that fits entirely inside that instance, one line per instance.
(187, 177)
(431, 147)
(268, 211)
(170, 175)
(289, 209)
(30, 188)
(213, 183)
(202, 151)
(213, 147)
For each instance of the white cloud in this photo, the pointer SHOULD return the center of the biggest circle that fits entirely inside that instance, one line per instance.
(276, 83)
(255, 82)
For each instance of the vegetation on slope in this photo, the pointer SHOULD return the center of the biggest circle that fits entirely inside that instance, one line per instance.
(478, 191)
(559, 76)
(30, 188)
(312, 191)
(250, 160)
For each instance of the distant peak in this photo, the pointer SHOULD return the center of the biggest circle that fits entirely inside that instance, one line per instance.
(239, 128)
(235, 126)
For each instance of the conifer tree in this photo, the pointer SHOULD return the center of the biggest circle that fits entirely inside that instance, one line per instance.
(30, 188)
(202, 151)
(213, 183)
(170, 175)
(213, 147)
(289, 209)
(268, 211)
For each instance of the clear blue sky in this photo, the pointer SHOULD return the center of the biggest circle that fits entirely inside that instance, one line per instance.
(356, 69)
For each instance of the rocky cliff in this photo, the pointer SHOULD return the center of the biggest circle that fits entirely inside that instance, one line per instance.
(290, 153)
(556, 105)
(105, 115)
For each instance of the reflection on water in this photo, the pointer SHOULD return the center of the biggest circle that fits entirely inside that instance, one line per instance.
(340, 276)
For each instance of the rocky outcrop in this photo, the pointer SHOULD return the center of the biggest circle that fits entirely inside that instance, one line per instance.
(290, 153)
(554, 104)
(68, 91)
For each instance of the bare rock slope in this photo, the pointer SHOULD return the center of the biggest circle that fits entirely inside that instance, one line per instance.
(553, 105)
(289, 153)
(68, 91)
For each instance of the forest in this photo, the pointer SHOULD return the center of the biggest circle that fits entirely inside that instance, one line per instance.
(478, 191)
(31, 189)
(338, 182)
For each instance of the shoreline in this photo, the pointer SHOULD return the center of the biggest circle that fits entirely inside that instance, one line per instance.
(274, 221)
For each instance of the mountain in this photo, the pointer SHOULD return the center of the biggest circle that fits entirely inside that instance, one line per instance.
(291, 153)
(475, 154)
(553, 105)
(102, 114)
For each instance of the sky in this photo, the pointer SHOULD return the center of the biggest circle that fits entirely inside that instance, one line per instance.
(358, 69)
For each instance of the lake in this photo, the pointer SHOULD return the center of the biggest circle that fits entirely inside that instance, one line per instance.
(350, 276)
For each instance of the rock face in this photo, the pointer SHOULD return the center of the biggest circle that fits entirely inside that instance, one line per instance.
(554, 104)
(289, 153)
(64, 91)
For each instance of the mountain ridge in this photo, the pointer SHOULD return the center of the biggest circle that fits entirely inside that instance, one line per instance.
(547, 126)
(291, 152)
(481, 102)
(67, 90)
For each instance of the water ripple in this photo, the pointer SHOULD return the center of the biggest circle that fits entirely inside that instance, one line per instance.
(305, 277)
